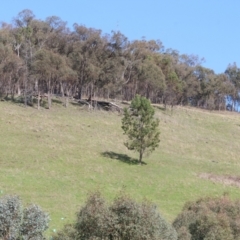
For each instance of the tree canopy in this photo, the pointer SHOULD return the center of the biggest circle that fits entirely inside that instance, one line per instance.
(44, 57)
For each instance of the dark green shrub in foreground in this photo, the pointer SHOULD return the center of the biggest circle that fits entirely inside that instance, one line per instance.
(94, 219)
(17, 223)
(139, 221)
(124, 219)
(34, 223)
(210, 218)
(10, 217)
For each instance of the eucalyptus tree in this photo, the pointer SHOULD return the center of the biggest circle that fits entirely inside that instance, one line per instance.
(42, 47)
(23, 44)
(233, 74)
(67, 79)
(58, 37)
(174, 84)
(87, 46)
(137, 53)
(222, 88)
(206, 78)
(184, 66)
(115, 64)
(16, 73)
(5, 71)
(30, 36)
(60, 41)
(152, 81)
(49, 68)
(11, 66)
(143, 72)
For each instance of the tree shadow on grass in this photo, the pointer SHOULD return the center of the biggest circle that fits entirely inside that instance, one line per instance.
(19, 100)
(122, 157)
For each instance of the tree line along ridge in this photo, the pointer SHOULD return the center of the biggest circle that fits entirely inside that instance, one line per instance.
(44, 57)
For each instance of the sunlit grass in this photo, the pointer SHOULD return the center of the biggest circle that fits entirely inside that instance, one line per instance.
(54, 158)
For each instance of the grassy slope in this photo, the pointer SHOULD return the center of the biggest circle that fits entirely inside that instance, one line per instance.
(54, 158)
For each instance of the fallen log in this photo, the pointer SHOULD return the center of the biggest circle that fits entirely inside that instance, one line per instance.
(95, 104)
(118, 108)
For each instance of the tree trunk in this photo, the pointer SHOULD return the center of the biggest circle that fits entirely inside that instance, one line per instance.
(25, 97)
(49, 99)
(62, 90)
(18, 89)
(13, 92)
(49, 95)
(39, 100)
(80, 92)
(140, 157)
(232, 106)
(67, 98)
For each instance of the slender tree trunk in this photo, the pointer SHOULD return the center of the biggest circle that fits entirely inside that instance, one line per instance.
(135, 88)
(26, 85)
(49, 99)
(13, 92)
(49, 95)
(61, 88)
(18, 89)
(63, 95)
(67, 101)
(67, 98)
(39, 100)
(25, 93)
(140, 157)
(38, 94)
(80, 91)
(232, 105)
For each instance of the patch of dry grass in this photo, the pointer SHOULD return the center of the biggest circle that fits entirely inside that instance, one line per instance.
(226, 180)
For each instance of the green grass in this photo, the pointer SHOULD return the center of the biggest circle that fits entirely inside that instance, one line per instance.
(55, 158)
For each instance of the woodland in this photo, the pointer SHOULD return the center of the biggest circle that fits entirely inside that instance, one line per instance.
(45, 58)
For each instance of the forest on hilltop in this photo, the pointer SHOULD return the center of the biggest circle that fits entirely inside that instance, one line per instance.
(45, 57)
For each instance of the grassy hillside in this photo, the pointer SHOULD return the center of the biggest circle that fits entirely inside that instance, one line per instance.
(54, 158)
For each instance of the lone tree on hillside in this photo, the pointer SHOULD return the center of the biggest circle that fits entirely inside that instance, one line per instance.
(140, 126)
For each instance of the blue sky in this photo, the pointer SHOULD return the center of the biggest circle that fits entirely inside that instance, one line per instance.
(207, 28)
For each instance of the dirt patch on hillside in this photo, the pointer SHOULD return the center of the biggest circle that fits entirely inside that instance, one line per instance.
(226, 180)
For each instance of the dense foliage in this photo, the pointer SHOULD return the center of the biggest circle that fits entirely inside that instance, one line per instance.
(17, 223)
(209, 218)
(139, 125)
(44, 57)
(124, 219)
